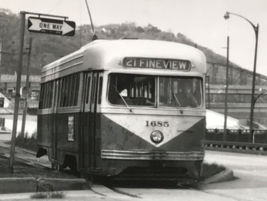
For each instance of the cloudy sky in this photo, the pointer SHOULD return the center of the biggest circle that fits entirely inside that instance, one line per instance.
(200, 20)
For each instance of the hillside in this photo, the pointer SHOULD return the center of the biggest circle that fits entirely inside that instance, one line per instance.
(47, 48)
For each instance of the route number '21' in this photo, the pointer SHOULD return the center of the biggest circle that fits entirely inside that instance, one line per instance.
(157, 123)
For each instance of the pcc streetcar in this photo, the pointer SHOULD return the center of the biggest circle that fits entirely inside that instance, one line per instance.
(125, 109)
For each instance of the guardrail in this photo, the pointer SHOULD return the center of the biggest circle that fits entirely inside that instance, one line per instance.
(237, 135)
(236, 140)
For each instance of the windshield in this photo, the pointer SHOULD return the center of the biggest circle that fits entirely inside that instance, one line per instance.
(173, 91)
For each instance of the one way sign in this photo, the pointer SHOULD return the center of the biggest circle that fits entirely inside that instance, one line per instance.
(51, 26)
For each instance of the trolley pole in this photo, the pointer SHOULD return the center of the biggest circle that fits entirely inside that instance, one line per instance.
(17, 96)
(27, 92)
(226, 92)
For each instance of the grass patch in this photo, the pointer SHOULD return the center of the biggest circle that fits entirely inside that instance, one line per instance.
(45, 195)
(58, 195)
(27, 142)
(209, 170)
(39, 196)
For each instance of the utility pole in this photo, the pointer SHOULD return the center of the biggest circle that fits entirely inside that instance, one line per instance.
(17, 96)
(27, 91)
(1, 50)
(226, 92)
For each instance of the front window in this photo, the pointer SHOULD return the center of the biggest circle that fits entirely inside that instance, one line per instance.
(180, 91)
(161, 91)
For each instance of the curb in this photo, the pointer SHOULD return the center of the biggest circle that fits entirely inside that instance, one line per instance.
(31, 184)
(68, 195)
(58, 184)
(226, 175)
(17, 185)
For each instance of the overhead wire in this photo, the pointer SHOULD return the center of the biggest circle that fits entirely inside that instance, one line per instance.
(55, 6)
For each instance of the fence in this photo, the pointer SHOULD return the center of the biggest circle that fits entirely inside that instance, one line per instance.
(236, 135)
(236, 139)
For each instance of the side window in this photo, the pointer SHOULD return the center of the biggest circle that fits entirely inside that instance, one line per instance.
(41, 97)
(46, 95)
(93, 89)
(69, 90)
(76, 89)
(100, 89)
(88, 90)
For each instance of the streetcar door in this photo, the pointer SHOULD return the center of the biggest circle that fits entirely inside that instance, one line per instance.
(97, 84)
(89, 140)
(84, 150)
(93, 137)
(54, 121)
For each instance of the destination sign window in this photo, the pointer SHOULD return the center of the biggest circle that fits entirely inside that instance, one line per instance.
(174, 64)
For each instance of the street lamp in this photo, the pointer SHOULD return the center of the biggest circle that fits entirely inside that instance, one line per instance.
(256, 97)
(256, 29)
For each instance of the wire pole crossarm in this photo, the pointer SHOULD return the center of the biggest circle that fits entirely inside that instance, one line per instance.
(47, 15)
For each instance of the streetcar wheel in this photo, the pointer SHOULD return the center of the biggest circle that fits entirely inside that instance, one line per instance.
(53, 166)
(56, 167)
(60, 168)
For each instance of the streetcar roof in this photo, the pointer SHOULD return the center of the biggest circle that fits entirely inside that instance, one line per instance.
(109, 54)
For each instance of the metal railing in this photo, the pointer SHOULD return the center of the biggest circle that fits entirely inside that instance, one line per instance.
(236, 139)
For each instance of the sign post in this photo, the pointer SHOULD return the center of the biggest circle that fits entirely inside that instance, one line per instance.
(48, 26)
(51, 26)
(17, 96)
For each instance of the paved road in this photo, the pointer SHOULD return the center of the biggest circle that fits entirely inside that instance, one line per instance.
(251, 171)
(250, 185)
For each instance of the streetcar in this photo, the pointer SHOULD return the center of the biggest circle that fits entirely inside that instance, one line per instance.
(115, 108)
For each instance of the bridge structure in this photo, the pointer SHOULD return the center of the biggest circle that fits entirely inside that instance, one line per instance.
(239, 92)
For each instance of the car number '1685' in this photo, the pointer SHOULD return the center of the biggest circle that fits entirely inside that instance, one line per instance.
(157, 123)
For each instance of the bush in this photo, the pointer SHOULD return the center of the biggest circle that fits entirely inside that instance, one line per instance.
(209, 170)
(27, 143)
(43, 195)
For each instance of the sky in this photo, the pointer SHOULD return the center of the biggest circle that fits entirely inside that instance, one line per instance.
(202, 21)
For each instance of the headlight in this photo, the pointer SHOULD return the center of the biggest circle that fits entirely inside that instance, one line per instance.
(156, 137)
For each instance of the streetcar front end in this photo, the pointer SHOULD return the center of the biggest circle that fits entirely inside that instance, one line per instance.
(153, 122)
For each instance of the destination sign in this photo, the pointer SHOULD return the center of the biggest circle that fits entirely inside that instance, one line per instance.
(173, 64)
(51, 26)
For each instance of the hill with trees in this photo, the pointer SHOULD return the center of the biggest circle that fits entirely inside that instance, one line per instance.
(47, 48)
